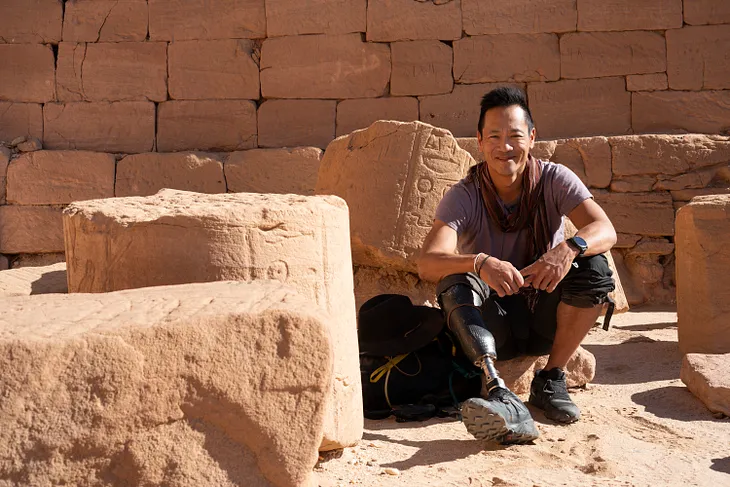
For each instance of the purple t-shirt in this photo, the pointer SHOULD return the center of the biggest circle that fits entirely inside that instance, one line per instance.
(463, 210)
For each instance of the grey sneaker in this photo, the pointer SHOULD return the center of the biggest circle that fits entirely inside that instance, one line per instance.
(549, 392)
(501, 417)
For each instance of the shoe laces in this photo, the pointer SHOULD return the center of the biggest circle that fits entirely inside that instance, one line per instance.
(557, 388)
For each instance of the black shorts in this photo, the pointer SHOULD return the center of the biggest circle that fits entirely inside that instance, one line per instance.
(517, 330)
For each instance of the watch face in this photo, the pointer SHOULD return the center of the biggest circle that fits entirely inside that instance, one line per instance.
(581, 243)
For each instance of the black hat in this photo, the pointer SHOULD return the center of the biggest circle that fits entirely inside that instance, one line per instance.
(389, 325)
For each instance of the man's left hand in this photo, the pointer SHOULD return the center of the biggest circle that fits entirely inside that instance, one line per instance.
(547, 271)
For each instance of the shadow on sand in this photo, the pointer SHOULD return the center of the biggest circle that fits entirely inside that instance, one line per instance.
(673, 402)
(636, 361)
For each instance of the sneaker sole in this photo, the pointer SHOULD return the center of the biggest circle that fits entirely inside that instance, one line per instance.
(562, 419)
(486, 425)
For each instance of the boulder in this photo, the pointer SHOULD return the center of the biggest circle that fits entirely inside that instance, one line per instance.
(371, 281)
(702, 244)
(220, 383)
(177, 237)
(392, 176)
(25, 281)
(708, 378)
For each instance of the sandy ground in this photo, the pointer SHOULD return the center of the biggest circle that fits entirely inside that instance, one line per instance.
(640, 427)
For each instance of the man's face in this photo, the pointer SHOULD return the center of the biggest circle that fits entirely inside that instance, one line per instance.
(506, 140)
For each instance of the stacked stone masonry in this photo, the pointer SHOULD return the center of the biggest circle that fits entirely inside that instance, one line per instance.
(135, 76)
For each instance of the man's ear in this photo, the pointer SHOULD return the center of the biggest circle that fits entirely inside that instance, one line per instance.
(533, 135)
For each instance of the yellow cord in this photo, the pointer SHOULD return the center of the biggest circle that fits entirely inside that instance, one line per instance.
(385, 370)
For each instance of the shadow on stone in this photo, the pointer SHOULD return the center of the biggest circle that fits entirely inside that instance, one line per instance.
(50, 282)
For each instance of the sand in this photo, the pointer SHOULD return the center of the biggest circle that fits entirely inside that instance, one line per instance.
(640, 427)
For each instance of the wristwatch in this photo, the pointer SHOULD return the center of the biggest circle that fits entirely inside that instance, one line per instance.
(579, 244)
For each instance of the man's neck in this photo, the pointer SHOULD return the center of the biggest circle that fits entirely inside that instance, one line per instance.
(508, 187)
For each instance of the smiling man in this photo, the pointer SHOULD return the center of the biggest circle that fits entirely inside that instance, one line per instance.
(508, 281)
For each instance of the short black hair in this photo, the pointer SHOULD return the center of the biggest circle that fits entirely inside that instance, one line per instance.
(505, 96)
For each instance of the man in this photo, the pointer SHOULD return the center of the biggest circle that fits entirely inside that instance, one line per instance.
(509, 283)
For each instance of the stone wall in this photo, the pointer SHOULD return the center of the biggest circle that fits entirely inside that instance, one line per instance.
(134, 76)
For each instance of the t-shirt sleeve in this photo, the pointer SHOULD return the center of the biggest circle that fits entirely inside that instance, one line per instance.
(453, 209)
(569, 190)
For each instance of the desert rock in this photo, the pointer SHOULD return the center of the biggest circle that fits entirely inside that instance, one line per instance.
(708, 378)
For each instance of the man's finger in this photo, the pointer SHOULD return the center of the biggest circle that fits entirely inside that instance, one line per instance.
(518, 279)
(530, 269)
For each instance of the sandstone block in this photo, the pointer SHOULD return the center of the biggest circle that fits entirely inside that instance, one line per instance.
(27, 71)
(273, 170)
(708, 378)
(113, 71)
(681, 111)
(598, 54)
(4, 160)
(573, 108)
(629, 14)
(146, 174)
(20, 120)
(392, 176)
(421, 68)
(692, 180)
(507, 57)
(178, 237)
(652, 245)
(703, 264)
(4, 263)
(518, 372)
(518, 16)
(686, 195)
(699, 12)
(30, 144)
(626, 240)
(39, 260)
(179, 20)
(26, 22)
(457, 111)
(60, 177)
(697, 58)
(217, 69)
(111, 127)
(161, 384)
(641, 213)
(322, 66)
(633, 184)
(105, 21)
(360, 113)
(293, 123)
(647, 82)
(372, 281)
(30, 229)
(402, 20)
(214, 125)
(667, 155)
(28, 281)
(588, 157)
(286, 18)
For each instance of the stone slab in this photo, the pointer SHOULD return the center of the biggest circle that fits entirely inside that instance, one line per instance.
(641, 213)
(294, 123)
(403, 20)
(30, 229)
(27, 71)
(286, 17)
(588, 157)
(27, 281)
(179, 20)
(105, 20)
(681, 112)
(20, 120)
(421, 68)
(279, 171)
(697, 58)
(360, 113)
(26, 22)
(518, 16)
(602, 15)
(700, 12)
(647, 82)
(706, 376)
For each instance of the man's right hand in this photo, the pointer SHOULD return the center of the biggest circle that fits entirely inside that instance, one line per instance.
(501, 276)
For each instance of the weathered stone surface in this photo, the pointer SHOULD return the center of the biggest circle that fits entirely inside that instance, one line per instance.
(697, 58)
(60, 177)
(178, 20)
(392, 176)
(519, 372)
(421, 68)
(360, 113)
(647, 82)
(681, 111)
(322, 66)
(598, 54)
(23, 21)
(214, 125)
(629, 14)
(285, 18)
(146, 174)
(105, 20)
(640, 213)
(27, 71)
(588, 157)
(652, 245)
(518, 16)
(401, 20)
(38, 260)
(633, 184)
(626, 240)
(574, 108)
(127, 126)
(112, 71)
(507, 57)
(4, 160)
(279, 171)
(219, 69)
(30, 144)
(183, 385)
(20, 120)
(4, 263)
(372, 281)
(30, 229)
(178, 237)
(699, 12)
(293, 123)
(635, 155)
(692, 180)
(27, 281)
(703, 264)
(688, 194)
(457, 111)
(708, 378)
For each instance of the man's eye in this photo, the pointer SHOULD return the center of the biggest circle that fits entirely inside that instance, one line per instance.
(494, 137)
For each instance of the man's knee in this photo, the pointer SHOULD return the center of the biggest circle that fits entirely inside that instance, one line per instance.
(461, 289)
(588, 282)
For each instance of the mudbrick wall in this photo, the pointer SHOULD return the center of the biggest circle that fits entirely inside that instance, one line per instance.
(131, 85)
